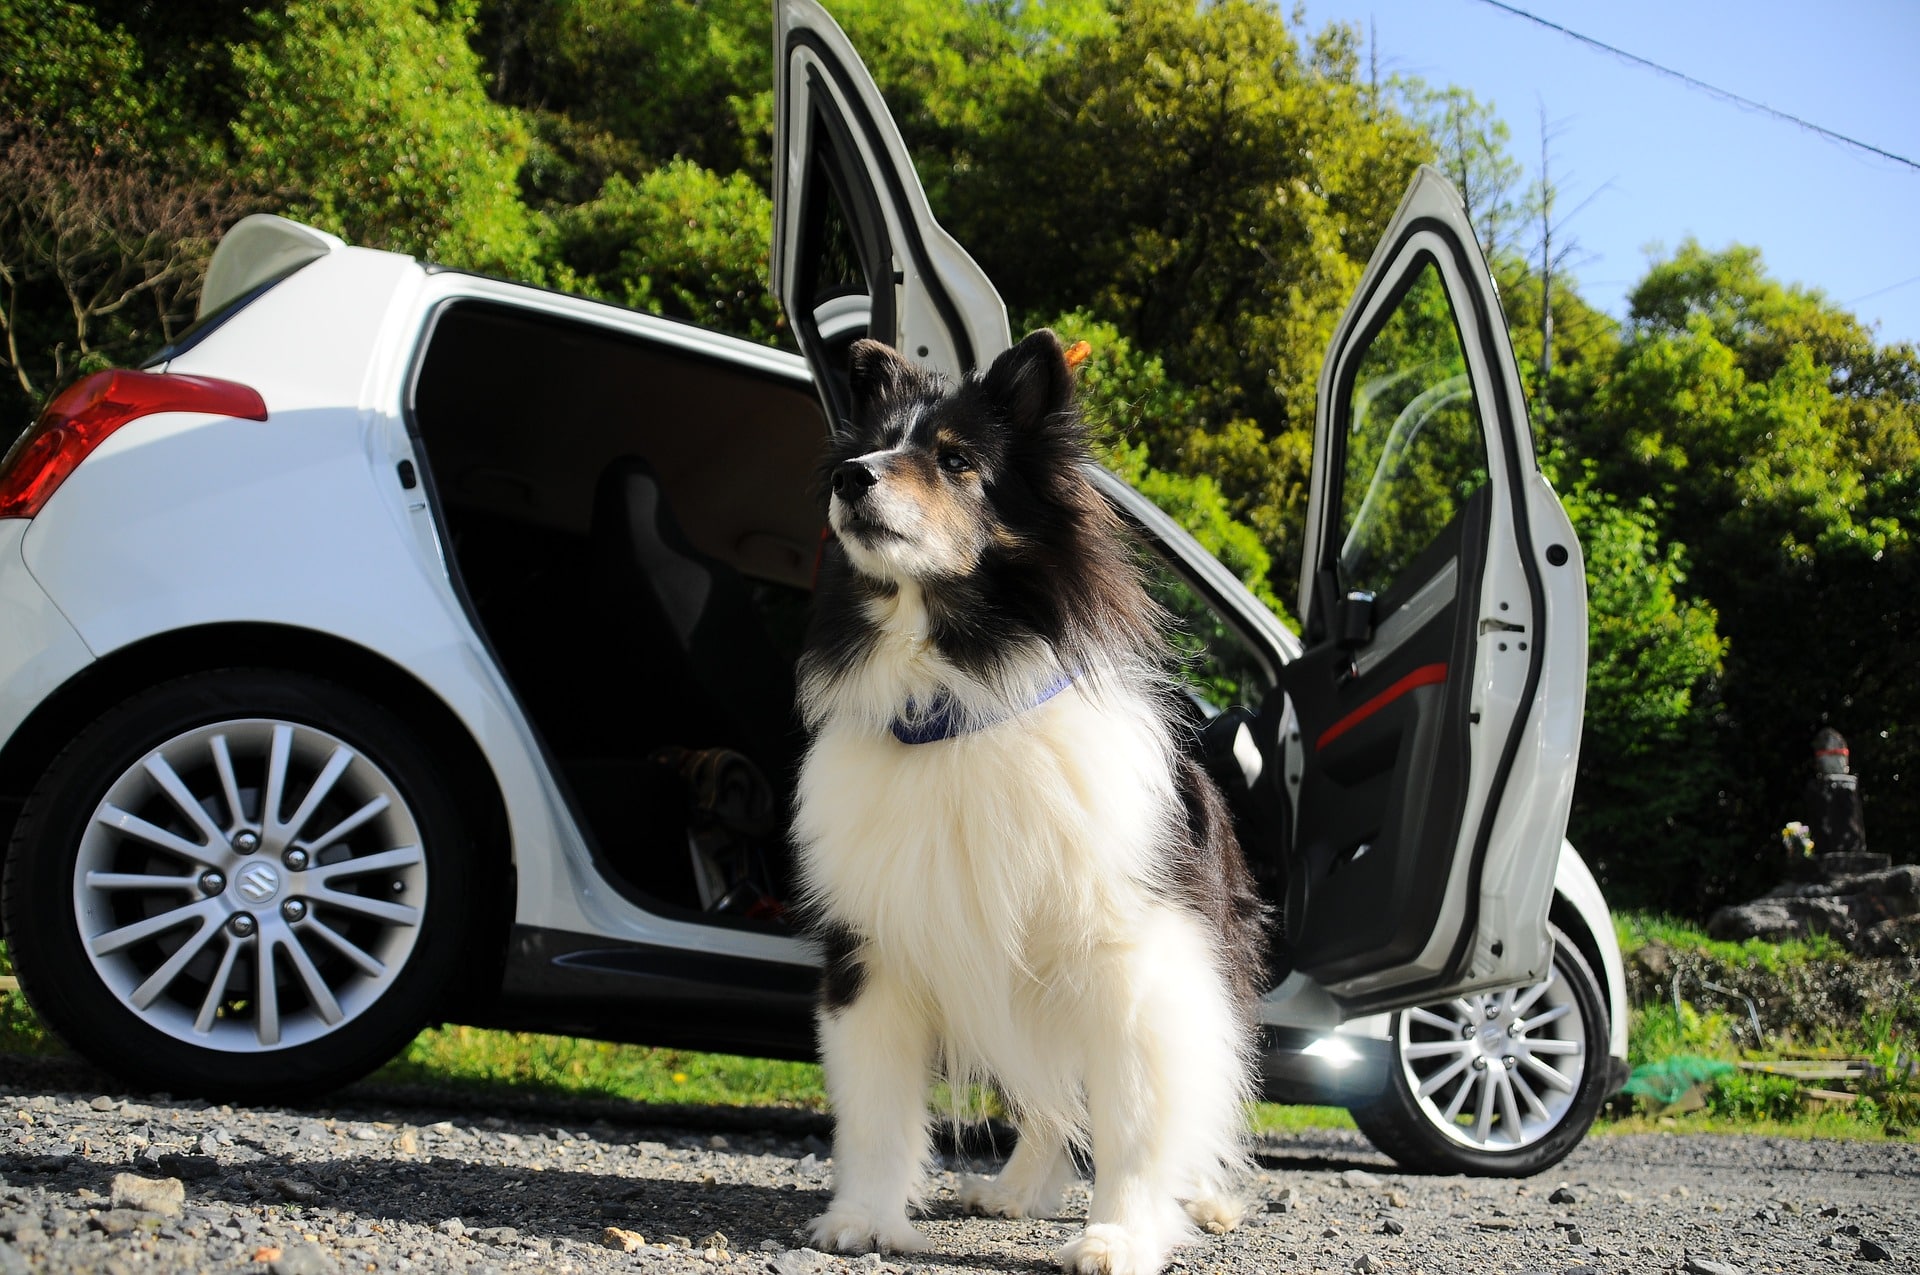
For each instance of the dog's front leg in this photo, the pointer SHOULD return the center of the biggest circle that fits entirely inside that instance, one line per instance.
(878, 1053)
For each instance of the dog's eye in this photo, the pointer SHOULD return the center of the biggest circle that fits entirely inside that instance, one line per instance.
(955, 463)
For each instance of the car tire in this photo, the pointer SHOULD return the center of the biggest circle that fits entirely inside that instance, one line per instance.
(243, 884)
(1453, 1100)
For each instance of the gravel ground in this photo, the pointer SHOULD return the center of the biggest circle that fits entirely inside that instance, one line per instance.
(390, 1180)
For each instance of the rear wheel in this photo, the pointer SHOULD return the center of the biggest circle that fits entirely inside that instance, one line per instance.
(1500, 1084)
(244, 883)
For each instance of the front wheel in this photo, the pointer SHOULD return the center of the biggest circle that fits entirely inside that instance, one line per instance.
(1501, 1084)
(245, 883)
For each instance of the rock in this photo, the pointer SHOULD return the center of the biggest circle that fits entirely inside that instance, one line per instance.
(1365, 1265)
(1359, 1178)
(1563, 1195)
(680, 1242)
(123, 1221)
(1872, 1252)
(715, 1240)
(622, 1240)
(806, 1163)
(799, 1261)
(11, 1263)
(503, 1236)
(165, 1196)
(716, 1143)
(1284, 1201)
(1702, 1266)
(1574, 1236)
(408, 1143)
(1397, 1199)
(297, 1191)
(453, 1227)
(304, 1259)
(103, 1103)
(1391, 1227)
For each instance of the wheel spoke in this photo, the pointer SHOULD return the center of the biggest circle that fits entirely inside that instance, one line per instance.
(318, 993)
(323, 783)
(1427, 1018)
(1483, 1117)
(1550, 1046)
(162, 978)
(339, 942)
(183, 799)
(1433, 1083)
(1467, 1011)
(160, 923)
(139, 881)
(387, 860)
(1552, 1078)
(279, 758)
(349, 824)
(1509, 1110)
(159, 838)
(1527, 1094)
(361, 905)
(1547, 1016)
(266, 993)
(1460, 1095)
(217, 990)
(1534, 993)
(229, 784)
(1436, 1048)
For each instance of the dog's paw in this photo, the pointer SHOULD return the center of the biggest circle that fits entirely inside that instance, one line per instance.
(1217, 1214)
(849, 1230)
(1106, 1249)
(994, 1198)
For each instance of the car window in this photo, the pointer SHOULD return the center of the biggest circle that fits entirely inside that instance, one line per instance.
(1216, 663)
(1414, 449)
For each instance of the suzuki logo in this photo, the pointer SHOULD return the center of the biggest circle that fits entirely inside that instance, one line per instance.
(259, 882)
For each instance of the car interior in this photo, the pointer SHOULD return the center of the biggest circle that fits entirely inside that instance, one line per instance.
(635, 530)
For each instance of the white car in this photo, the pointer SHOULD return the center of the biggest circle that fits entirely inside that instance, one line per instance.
(404, 645)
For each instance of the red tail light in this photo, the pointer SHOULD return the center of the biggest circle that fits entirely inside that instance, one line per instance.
(82, 416)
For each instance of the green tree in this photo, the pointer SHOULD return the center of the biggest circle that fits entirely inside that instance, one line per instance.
(680, 241)
(370, 115)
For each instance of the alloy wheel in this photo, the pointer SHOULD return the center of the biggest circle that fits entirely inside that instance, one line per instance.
(1499, 1071)
(250, 885)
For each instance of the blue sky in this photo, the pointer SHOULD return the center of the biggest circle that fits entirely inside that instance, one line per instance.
(1663, 161)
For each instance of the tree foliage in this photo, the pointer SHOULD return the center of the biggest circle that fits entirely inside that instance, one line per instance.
(1194, 188)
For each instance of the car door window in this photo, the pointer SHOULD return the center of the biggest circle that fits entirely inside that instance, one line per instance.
(1415, 450)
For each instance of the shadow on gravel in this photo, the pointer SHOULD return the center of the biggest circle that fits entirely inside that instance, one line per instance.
(549, 1203)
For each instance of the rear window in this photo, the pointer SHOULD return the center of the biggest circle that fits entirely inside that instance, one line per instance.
(204, 326)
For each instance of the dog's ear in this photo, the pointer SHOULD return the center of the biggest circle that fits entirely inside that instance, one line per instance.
(876, 370)
(1031, 382)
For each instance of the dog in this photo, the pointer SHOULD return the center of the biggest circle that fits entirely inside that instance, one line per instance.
(1014, 874)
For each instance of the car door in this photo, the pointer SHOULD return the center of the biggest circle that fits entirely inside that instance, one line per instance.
(1437, 705)
(856, 250)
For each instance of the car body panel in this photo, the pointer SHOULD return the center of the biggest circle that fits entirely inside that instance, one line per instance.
(1519, 708)
(41, 650)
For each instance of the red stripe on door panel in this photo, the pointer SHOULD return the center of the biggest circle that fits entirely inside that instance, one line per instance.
(1426, 675)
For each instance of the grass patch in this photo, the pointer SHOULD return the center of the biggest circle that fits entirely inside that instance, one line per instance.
(1636, 930)
(471, 1057)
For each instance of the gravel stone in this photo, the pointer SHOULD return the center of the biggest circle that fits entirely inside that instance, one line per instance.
(304, 1259)
(469, 1198)
(1562, 1195)
(164, 1196)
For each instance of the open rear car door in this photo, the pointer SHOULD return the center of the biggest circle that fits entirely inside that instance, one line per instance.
(856, 251)
(1438, 702)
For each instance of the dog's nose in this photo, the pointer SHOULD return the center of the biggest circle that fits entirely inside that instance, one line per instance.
(852, 479)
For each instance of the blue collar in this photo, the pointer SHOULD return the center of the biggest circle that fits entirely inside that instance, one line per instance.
(943, 720)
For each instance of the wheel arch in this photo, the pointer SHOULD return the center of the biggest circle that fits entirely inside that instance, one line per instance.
(124, 672)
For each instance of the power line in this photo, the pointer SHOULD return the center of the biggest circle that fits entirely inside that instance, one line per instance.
(1703, 86)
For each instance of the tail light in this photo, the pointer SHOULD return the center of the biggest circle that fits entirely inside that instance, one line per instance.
(84, 414)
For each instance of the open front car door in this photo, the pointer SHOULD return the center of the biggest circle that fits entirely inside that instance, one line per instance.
(856, 251)
(1438, 702)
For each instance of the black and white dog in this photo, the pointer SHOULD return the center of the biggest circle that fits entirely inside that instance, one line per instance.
(1016, 875)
